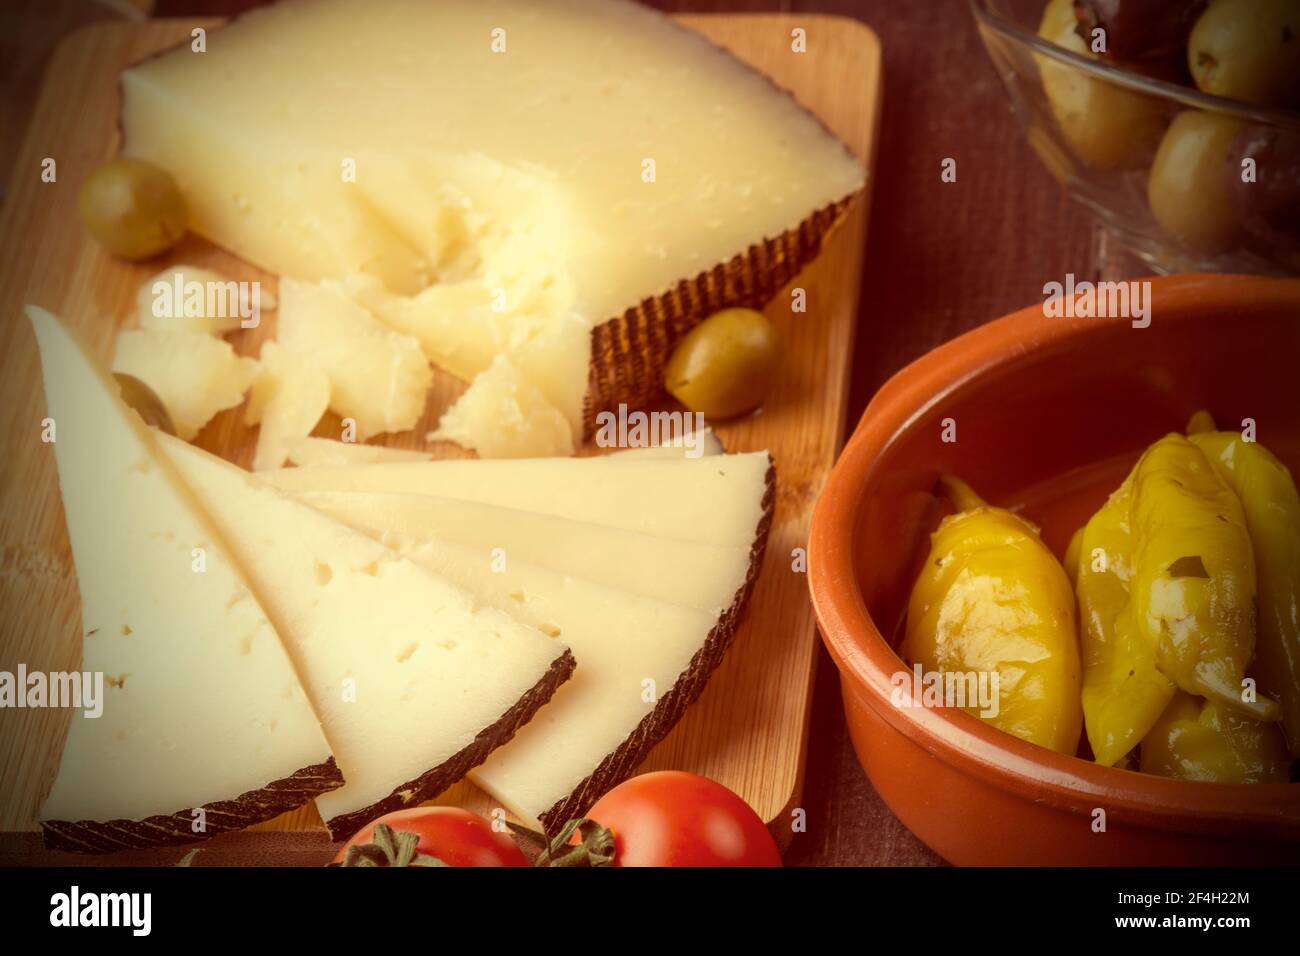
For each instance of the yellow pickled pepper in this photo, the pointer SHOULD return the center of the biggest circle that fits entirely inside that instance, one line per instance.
(1193, 583)
(1272, 508)
(993, 598)
(1124, 692)
(1207, 741)
(1072, 551)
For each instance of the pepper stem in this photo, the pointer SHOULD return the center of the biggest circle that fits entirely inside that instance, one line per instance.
(1202, 421)
(961, 494)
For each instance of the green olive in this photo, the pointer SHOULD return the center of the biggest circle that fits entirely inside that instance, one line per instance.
(1107, 126)
(1248, 50)
(726, 365)
(145, 401)
(1187, 188)
(133, 209)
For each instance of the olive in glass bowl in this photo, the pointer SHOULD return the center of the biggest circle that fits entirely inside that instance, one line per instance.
(1176, 122)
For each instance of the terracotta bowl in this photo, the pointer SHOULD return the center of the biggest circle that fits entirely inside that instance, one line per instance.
(1049, 415)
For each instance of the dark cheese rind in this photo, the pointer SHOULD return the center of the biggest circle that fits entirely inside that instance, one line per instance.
(431, 783)
(630, 352)
(222, 816)
(623, 762)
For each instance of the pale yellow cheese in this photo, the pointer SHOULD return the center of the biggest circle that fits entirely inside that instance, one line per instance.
(692, 573)
(634, 608)
(311, 451)
(630, 651)
(449, 320)
(202, 703)
(583, 93)
(378, 377)
(208, 302)
(503, 415)
(462, 326)
(289, 396)
(693, 444)
(194, 374)
(403, 667)
(713, 499)
(546, 167)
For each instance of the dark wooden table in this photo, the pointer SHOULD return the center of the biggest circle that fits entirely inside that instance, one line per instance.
(941, 258)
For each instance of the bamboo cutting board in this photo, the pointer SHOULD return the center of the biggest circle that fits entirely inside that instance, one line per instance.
(748, 730)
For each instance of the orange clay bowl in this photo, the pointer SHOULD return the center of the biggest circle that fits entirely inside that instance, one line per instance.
(1050, 413)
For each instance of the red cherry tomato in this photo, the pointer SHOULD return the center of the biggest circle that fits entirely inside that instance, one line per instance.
(455, 836)
(670, 818)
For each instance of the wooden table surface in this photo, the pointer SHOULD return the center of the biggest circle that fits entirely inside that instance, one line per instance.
(941, 258)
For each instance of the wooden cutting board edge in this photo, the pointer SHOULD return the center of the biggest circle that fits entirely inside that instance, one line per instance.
(852, 51)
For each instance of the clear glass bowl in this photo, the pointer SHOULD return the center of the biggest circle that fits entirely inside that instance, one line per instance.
(1098, 128)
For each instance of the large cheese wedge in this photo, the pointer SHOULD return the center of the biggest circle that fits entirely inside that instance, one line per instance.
(414, 683)
(717, 499)
(648, 619)
(581, 159)
(204, 725)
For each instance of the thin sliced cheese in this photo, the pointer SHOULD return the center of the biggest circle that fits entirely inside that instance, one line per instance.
(313, 452)
(695, 444)
(414, 683)
(696, 574)
(310, 451)
(648, 619)
(717, 499)
(632, 652)
(204, 725)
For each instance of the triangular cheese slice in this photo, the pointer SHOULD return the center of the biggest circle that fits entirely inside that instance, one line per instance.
(642, 659)
(310, 451)
(695, 444)
(205, 727)
(414, 683)
(690, 573)
(715, 499)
